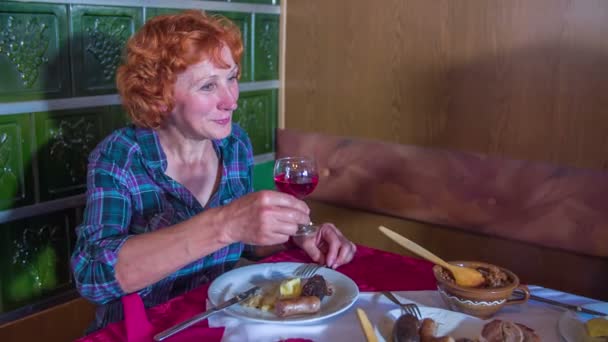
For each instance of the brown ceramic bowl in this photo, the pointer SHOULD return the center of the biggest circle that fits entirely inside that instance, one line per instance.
(479, 302)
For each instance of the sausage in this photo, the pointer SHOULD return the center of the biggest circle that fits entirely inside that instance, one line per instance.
(428, 328)
(406, 329)
(297, 306)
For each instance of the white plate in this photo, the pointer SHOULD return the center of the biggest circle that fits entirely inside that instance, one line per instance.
(243, 278)
(572, 328)
(455, 324)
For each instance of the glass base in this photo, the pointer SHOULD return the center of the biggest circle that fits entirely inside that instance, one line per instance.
(306, 229)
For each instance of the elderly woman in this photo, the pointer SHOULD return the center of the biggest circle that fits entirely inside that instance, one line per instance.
(170, 203)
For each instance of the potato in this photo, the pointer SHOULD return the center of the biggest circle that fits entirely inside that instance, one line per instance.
(290, 288)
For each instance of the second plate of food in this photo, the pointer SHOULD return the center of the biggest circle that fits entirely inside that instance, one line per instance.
(268, 275)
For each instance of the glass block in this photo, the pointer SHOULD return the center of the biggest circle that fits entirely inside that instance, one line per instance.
(117, 118)
(16, 183)
(34, 258)
(98, 35)
(152, 12)
(33, 51)
(266, 40)
(243, 21)
(257, 114)
(263, 178)
(65, 139)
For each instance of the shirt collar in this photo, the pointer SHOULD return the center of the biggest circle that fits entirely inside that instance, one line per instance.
(154, 155)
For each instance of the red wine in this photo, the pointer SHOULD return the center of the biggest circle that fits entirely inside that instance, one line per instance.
(298, 186)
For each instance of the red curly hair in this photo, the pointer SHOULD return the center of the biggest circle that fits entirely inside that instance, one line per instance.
(164, 47)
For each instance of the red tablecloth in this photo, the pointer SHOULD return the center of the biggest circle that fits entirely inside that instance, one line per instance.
(371, 269)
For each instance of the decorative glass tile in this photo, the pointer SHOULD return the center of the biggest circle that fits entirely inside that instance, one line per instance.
(257, 114)
(266, 54)
(65, 140)
(34, 258)
(243, 21)
(117, 118)
(152, 12)
(33, 51)
(263, 178)
(16, 184)
(98, 35)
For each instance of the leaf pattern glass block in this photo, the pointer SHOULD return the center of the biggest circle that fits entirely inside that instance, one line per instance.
(34, 258)
(243, 21)
(65, 140)
(266, 47)
(98, 35)
(33, 51)
(257, 115)
(16, 183)
(117, 118)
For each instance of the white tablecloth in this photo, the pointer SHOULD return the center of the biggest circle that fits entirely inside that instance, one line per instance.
(543, 318)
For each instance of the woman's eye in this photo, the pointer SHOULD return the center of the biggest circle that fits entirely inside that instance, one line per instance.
(208, 87)
(233, 78)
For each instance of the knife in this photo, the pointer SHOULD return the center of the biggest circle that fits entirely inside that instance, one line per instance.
(190, 322)
(576, 308)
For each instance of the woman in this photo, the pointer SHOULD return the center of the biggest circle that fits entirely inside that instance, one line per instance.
(170, 203)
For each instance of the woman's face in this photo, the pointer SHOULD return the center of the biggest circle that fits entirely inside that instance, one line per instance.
(205, 97)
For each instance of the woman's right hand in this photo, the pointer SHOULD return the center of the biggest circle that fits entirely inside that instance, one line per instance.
(263, 218)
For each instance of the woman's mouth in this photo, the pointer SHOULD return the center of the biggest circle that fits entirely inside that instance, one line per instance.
(222, 122)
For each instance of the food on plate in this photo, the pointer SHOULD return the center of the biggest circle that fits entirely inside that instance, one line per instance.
(597, 327)
(408, 328)
(428, 329)
(493, 277)
(292, 296)
(505, 331)
(290, 288)
(297, 306)
(316, 286)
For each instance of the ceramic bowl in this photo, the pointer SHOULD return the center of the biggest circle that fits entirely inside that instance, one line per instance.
(479, 301)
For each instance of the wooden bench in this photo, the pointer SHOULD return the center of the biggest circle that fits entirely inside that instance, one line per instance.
(547, 223)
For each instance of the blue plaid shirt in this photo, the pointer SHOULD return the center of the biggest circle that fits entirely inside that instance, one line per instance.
(128, 193)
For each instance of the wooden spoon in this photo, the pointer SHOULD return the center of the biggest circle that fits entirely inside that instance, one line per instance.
(464, 276)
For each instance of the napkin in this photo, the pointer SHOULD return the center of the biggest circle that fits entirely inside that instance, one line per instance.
(139, 329)
(369, 277)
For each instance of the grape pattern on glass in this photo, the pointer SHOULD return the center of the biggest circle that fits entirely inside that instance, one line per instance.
(25, 44)
(105, 41)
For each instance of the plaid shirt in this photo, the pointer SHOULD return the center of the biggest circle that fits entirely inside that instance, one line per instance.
(128, 193)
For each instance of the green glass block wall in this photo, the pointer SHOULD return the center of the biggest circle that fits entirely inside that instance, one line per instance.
(58, 100)
(33, 51)
(98, 35)
(263, 177)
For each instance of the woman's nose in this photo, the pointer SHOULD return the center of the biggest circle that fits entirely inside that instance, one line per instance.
(228, 100)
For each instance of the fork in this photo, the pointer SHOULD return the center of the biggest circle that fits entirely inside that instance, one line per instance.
(410, 308)
(306, 270)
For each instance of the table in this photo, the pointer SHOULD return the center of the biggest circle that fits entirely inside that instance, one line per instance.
(409, 278)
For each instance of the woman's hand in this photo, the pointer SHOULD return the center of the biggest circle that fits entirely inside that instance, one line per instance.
(263, 218)
(328, 246)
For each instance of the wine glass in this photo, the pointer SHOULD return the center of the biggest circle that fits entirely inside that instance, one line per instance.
(297, 176)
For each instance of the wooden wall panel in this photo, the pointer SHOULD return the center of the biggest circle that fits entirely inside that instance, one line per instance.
(519, 79)
(558, 207)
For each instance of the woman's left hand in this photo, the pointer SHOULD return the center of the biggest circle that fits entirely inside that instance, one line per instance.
(328, 246)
